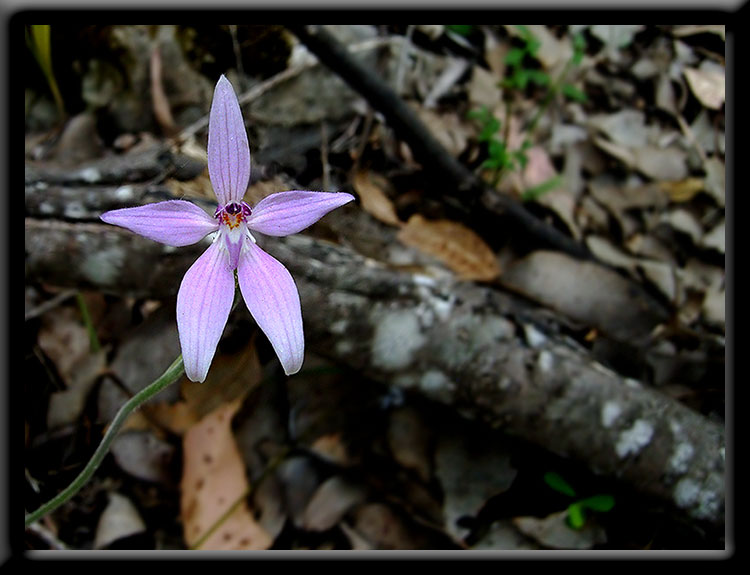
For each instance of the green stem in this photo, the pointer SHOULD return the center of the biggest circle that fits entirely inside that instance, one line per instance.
(553, 90)
(171, 375)
(86, 316)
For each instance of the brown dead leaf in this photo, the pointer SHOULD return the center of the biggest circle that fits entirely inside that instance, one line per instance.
(692, 29)
(682, 190)
(214, 487)
(448, 129)
(199, 187)
(454, 244)
(231, 376)
(65, 340)
(371, 189)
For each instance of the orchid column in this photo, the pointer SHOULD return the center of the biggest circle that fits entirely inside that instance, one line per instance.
(207, 290)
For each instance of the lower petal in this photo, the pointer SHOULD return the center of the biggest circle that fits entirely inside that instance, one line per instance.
(273, 300)
(203, 305)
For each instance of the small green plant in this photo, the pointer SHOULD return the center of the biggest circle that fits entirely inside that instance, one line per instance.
(499, 158)
(518, 77)
(38, 41)
(578, 508)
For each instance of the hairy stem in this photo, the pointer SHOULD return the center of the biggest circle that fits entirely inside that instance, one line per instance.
(171, 375)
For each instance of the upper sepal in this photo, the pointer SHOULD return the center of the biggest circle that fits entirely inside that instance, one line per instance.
(228, 150)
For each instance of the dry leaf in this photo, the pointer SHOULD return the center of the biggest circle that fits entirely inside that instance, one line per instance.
(371, 189)
(447, 128)
(454, 244)
(332, 500)
(682, 190)
(552, 531)
(143, 455)
(690, 30)
(213, 482)
(716, 238)
(231, 376)
(588, 293)
(708, 85)
(119, 519)
(483, 89)
(65, 340)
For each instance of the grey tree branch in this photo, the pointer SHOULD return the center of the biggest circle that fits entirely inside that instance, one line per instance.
(482, 351)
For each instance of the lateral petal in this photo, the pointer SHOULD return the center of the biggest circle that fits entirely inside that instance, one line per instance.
(285, 213)
(174, 222)
(203, 305)
(273, 300)
(228, 150)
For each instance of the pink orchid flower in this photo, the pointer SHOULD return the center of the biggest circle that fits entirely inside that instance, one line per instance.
(207, 291)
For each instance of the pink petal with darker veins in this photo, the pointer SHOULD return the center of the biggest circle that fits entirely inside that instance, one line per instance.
(174, 222)
(228, 150)
(286, 213)
(273, 300)
(203, 305)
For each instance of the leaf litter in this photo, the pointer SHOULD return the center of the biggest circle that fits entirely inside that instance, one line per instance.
(292, 464)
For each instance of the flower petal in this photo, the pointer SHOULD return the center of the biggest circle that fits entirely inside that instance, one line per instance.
(228, 151)
(174, 222)
(273, 300)
(203, 305)
(287, 213)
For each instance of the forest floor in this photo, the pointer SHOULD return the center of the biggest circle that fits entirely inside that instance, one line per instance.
(607, 143)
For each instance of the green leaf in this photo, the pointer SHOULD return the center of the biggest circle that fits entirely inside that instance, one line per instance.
(480, 114)
(556, 482)
(533, 45)
(538, 191)
(521, 79)
(579, 48)
(41, 47)
(576, 516)
(490, 128)
(520, 158)
(514, 56)
(601, 503)
(538, 77)
(491, 164)
(460, 29)
(573, 93)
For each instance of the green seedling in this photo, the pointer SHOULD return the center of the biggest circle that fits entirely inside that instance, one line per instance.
(499, 158)
(519, 75)
(38, 41)
(577, 510)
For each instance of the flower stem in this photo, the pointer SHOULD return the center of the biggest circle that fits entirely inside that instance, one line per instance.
(171, 375)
